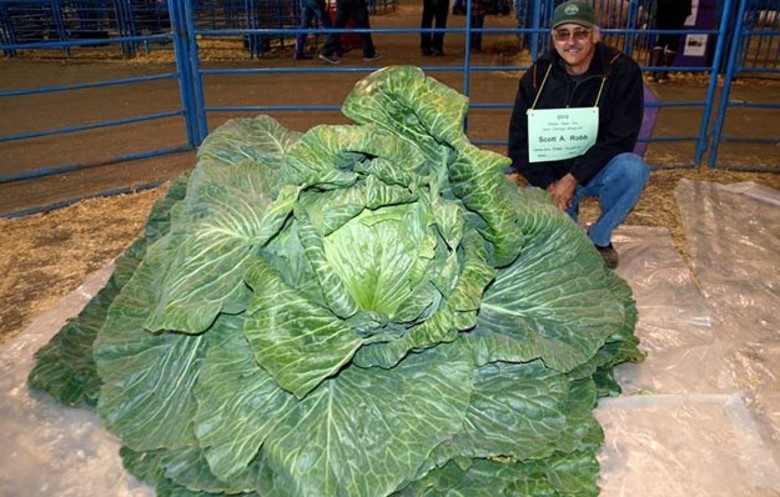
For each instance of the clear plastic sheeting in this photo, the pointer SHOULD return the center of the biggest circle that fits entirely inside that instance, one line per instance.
(685, 426)
(49, 449)
(675, 324)
(683, 445)
(700, 417)
(733, 238)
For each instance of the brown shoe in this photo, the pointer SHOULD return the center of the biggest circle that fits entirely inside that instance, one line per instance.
(610, 256)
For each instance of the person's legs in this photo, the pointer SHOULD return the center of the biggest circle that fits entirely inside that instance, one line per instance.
(459, 7)
(321, 13)
(618, 187)
(668, 61)
(360, 16)
(441, 11)
(665, 49)
(477, 22)
(332, 45)
(656, 60)
(300, 39)
(670, 49)
(426, 22)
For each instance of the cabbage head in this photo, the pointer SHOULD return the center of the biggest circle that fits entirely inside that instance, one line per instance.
(360, 310)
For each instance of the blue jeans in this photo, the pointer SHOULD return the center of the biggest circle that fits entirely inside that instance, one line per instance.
(618, 187)
(311, 10)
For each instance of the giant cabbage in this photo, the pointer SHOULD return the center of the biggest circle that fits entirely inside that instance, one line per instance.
(359, 310)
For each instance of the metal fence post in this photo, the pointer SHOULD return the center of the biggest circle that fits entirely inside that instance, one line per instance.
(124, 21)
(720, 48)
(182, 36)
(632, 17)
(535, 11)
(59, 25)
(731, 69)
(199, 105)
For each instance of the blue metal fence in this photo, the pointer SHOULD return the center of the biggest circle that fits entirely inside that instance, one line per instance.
(744, 40)
(25, 24)
(30, 21)
(53, 32)
(755, 49)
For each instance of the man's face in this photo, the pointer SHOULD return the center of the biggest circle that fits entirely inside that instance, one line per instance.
(575, 44)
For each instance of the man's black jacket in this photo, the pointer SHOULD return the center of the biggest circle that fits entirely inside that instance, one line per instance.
(620, 112)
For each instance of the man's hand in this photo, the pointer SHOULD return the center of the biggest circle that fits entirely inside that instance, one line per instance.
(562, 191)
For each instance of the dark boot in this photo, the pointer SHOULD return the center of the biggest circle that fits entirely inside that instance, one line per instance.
(300, 47)
(655, 61)
(669, 56)
(610, 256)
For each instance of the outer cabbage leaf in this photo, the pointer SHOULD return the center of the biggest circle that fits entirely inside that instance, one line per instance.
(325, 155)
(553, 303)
(392, 420)
(523, 412)
(476, 181)
(228, 212)
(146, 398)
(561, 475)
(620, 347)
(514, 410)
(65, 367)
(260, 140)
(184, 473)
(582, 431)
(238, 402)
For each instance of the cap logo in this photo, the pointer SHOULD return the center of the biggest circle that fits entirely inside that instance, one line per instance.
(571, 9)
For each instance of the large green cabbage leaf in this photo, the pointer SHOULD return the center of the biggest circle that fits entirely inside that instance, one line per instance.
(65, 367)
(358, 310)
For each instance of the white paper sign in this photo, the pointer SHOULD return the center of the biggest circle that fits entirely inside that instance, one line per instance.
(695, 45)
(559, 134)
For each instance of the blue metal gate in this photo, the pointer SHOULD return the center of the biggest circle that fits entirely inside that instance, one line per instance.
(70, 27)
(753, 32)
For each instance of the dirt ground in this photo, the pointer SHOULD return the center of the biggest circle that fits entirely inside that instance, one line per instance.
(45, 256)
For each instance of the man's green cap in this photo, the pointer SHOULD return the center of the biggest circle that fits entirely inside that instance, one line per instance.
(576, 12)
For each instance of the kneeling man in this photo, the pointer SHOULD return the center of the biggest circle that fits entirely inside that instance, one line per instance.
(575, 122)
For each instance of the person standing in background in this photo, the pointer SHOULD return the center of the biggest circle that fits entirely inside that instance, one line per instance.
(478, 12)
(433, 10)
(311, 10)
(358, 11)
(671, 15)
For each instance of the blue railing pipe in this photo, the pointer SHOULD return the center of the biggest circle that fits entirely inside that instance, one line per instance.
(731, 69)
(703, 144)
